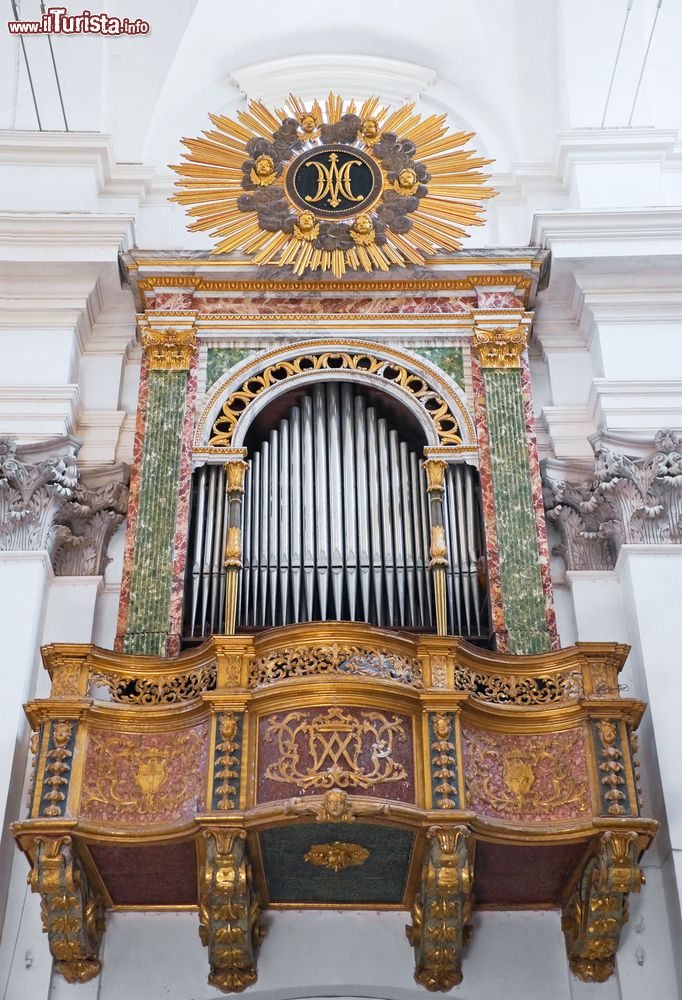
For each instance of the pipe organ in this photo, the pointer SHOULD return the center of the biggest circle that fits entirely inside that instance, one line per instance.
(335, 525)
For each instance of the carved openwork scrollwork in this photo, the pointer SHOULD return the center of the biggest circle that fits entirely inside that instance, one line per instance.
(228, 911)
(311, 364)
(443, 908)
(594, 914)
(72, 914)
(334, 659)
(162, 689)
(539, 689)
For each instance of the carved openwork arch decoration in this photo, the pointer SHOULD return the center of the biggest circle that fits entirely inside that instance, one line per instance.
(435, 401)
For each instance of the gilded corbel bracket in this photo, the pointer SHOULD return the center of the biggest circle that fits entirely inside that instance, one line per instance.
(72, 913)
(594, 914)
(228, 911)
(443, 908)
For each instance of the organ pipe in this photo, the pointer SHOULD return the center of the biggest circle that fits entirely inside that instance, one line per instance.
(335, 526)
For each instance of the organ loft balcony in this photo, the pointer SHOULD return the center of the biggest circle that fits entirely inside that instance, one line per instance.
(334, 764)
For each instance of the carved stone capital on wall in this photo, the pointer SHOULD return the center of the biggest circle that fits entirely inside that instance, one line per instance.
(46, 504)
(594, 914)
(442, 909)
(630, 501)
(499, 346)
(168, 348)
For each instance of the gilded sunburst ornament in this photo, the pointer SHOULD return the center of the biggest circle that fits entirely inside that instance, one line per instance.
(331, 187)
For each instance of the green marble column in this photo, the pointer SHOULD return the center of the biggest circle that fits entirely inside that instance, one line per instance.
(517, 553)
(156, 567)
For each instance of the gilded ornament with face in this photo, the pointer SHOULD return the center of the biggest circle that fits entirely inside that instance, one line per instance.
(306, 226)
(369, 131)
(406, 182)
(308, 124)
(264, 172)
(363, 230)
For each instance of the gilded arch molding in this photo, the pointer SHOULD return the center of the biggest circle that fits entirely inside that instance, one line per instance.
(233, 402)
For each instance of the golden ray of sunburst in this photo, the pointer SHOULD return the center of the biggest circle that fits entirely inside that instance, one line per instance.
(211, 175)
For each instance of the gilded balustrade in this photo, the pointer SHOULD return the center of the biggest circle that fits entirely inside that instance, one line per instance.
(334, 765)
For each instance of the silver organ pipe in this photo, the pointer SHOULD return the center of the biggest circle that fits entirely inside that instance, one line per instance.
(335, 526)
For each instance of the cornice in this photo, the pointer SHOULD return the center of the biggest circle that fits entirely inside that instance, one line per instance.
(79, 149)
(63, 236)
(601, 232)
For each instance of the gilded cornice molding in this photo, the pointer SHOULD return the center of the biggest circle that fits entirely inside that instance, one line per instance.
(45, 505)
(168, 348)
(630, 501)
(499, 346)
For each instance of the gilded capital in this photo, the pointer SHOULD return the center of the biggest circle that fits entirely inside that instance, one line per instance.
(499, 347)
(235, 472)
(435, 474)
(168, 348)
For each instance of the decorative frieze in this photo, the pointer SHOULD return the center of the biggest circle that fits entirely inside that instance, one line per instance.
(630, 501)
(44, 504)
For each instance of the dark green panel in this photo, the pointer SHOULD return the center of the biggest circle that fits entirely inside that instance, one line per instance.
(522, 593)
(449, 359)
(151, 577)
(220, 359)
(380, 880)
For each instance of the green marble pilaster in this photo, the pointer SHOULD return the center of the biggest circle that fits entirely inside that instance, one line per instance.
(516, 583)
(151, 575)
(156, 549)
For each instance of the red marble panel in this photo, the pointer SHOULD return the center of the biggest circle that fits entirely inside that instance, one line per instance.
(308, 751)
(538, 506)
(538, 777)
(488, 506)
(516, 876)
(499, 300)
(133, 504)
(171, 301)
(315, 304)
(134, 779)
(149, 875)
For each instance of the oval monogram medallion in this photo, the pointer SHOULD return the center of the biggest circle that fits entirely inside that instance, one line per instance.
(334, 182)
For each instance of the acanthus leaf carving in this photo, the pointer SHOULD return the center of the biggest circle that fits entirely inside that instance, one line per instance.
(442, 909)
(44, 505)
(630, 501)
(595, 912)
(72, 913)
(228, 911)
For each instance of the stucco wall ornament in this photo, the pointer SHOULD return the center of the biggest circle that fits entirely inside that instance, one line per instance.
(332, 186)
(629, 502)
(44, 505)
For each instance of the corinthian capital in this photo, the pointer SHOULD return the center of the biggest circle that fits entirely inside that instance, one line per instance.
(44, 504)
(630, 501)
(168, 348)
(499, 346)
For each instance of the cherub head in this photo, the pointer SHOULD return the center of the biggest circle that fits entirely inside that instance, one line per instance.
(265, 166)
(407, 178)
(308, 123)
(363, 225)
(369, 128)
(306, 222)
